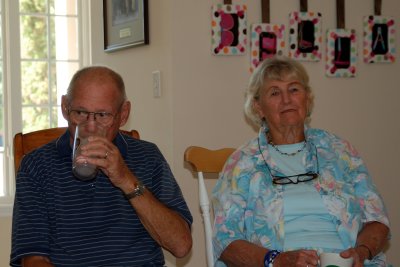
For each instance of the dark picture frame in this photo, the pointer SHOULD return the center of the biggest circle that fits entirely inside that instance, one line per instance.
(126, 24)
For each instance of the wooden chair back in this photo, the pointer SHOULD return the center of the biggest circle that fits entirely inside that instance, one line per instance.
(25, 143)
(203, 161)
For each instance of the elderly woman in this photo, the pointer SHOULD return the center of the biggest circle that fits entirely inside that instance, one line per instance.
(294, 192)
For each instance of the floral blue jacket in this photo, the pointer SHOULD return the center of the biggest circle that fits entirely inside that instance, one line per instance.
(247, 206)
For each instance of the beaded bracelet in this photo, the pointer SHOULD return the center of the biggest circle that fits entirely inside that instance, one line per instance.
(369, 251)
(270, 257)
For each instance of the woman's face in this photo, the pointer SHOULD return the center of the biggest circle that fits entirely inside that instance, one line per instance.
(283, 104)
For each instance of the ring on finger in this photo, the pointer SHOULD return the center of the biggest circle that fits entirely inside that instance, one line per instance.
(106, 156)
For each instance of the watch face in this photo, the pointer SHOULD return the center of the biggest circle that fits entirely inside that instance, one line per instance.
(138, 191)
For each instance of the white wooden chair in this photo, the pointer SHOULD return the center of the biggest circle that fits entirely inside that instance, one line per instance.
(203, 161)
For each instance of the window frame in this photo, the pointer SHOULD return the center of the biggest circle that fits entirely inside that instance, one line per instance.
(10, 32)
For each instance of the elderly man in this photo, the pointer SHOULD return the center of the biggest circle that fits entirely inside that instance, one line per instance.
(122, 217)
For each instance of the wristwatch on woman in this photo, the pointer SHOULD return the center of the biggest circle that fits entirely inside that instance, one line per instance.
(270, 257)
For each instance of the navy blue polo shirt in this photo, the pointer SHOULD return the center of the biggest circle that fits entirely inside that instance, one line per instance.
(78, 223)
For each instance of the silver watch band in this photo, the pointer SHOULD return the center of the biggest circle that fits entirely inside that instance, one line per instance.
(137, 191)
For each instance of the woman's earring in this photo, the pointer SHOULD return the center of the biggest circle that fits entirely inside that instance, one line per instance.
(264, 124)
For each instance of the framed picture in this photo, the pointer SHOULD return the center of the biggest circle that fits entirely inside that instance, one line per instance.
(379, 39)
(305, 37)
(229, 29)
(267, 40)
(341, 53)
(125, 24)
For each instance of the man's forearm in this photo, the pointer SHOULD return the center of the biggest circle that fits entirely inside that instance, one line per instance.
(166, 226)
(36, 261)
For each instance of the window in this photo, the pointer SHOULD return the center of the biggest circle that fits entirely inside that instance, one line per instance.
(40, 50)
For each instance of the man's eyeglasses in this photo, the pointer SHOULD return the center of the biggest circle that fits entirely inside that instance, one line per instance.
(291, 179)
(80, 116)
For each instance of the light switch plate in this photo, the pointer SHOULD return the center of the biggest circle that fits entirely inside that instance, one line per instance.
(156, 83)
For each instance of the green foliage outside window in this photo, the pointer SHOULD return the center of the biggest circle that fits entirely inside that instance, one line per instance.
(38, 20)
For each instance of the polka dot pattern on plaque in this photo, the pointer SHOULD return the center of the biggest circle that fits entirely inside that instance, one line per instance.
(379, 39)
(266, 40)
(305, 37)
(341, 53)
(229, 29)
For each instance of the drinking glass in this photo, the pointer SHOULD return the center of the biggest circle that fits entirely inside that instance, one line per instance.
(80, 167)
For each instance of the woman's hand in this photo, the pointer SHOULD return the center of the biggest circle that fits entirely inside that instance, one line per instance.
(297, 258)
(358, 254)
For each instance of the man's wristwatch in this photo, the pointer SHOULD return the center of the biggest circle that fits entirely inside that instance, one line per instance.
(270, 257)
(137, 191)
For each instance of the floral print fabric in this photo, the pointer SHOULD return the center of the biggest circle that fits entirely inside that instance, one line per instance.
(247, 206)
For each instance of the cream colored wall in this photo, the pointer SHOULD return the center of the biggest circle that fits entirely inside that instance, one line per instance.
(5, 240)
(203, 97)
(208, 99)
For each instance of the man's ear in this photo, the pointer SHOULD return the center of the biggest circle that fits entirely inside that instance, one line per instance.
(125, 111)
(64, 107)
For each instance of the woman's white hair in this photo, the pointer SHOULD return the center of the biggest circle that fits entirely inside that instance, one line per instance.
(277, 68)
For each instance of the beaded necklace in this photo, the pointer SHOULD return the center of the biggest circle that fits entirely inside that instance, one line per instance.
(284, 153)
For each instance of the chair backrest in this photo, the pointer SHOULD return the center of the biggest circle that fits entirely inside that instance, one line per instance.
(203, 161)
(25, 143)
